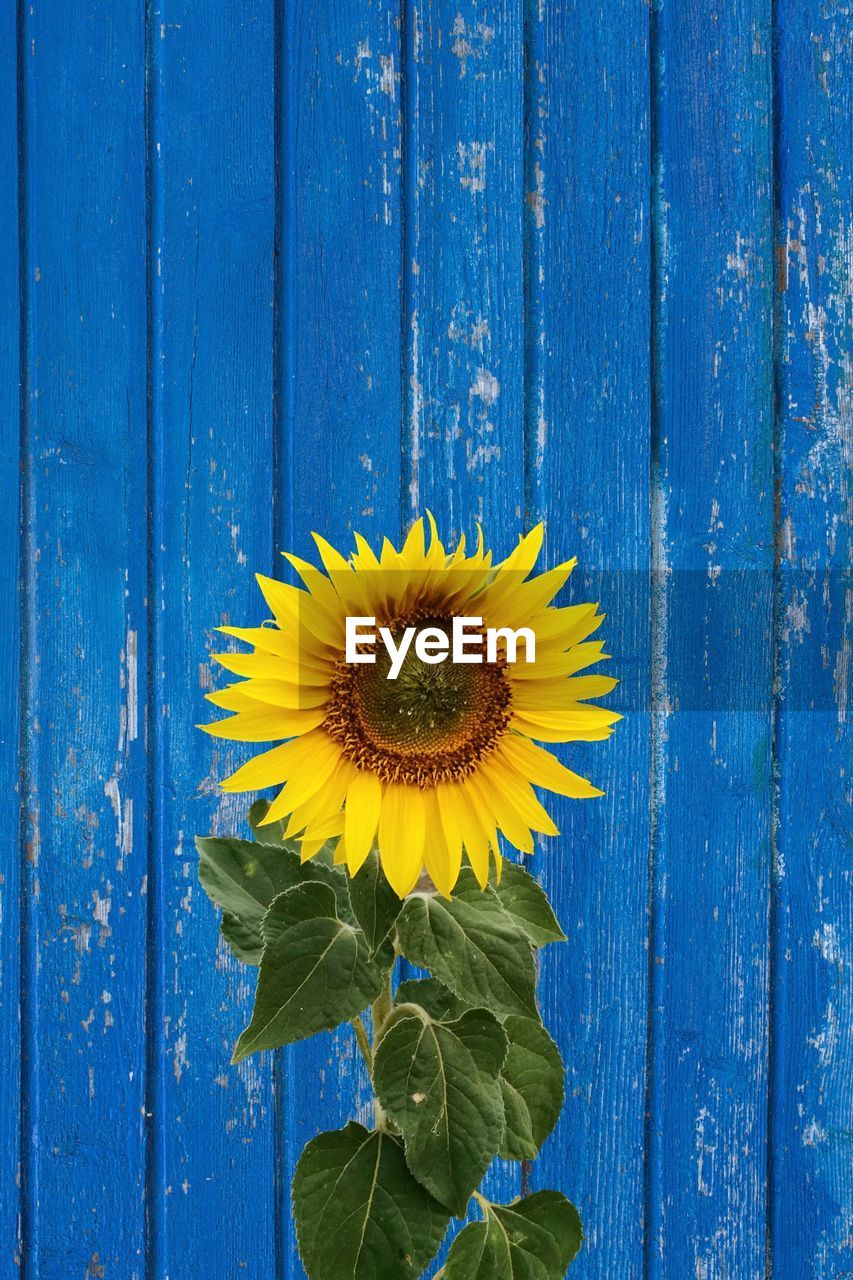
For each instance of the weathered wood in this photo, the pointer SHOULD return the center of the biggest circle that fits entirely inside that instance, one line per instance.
(587, 412)
(340, 239)
(10, 630)
(287, 267)
(85, 830)
(211, 94)
(713, 530)
(464, 322)
(812, 1028)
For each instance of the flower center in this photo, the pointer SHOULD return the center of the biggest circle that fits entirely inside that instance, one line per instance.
(433, 724)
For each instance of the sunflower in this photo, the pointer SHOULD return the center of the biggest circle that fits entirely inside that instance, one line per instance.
(441, 758)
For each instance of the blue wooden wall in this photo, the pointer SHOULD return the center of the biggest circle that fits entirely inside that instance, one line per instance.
(271, 267)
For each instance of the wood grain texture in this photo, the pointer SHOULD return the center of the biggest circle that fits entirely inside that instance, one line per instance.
(85, 830)
(10, 630)
(278, 268)
(340, 236)
(713, 528)
(212, 1179)
(587, 196)
(465, 322)
(811, 1225)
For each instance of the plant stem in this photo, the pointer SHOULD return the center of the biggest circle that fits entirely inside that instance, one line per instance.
(363, 1041)
(380, 1011)
(483, 1203)
(381, 1008)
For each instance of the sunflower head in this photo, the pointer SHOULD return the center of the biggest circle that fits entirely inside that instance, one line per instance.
(419, 736)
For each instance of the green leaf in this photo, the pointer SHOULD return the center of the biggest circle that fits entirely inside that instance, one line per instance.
(315, 971)
(438, 1082)
(559, 1217)
(439, 1002)
(360, 1215)
(527, 903)
(531, 1239)
(374, 902)
(473, 949)
(273, 832)
(311, 900)
(533, 1086)
(243, 877)
(521, 897)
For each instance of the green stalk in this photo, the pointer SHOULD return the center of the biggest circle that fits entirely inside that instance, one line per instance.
(382, 1008)
(363, 1041)
(484, 1205)
(380, 1011)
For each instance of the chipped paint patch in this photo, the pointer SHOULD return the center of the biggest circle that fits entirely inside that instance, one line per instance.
(471, 163)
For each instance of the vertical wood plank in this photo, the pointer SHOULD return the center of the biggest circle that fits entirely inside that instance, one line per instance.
(465, 334)
(714, 540)
(339, 308)
(812, 1033)
(587, 412)
(211, 96)
(464, 306)
(11, 604)
(86, 837)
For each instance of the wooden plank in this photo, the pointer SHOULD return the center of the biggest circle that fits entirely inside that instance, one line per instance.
(11, 601)
(713, 428)
(587, 423)
(86, 827)
(339, 343)
(465, 291)
(211, 107)
(464, 305)
(812, 1032)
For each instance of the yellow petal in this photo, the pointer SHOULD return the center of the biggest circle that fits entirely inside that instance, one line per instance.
(328, 800)
(460, 824)
(312, 772)
(506, 816)
(402, 827)
(297, 669)
(565, 624)
(333, 561)
(269, 768)
(341, 852)
(482, 835)
(544, 770)
(273, 693)
(556, 695)
(565, 726)
(284, 600)
(285, 693)
(513, 604)
(325, 829)
(265, 724)
(364, 556)
(523, 559)
(520, 793)
(363, 807)
(232, 698)
(444, 858)
(442, 864)
(321, 611)
(413, 552)
(309, 849)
